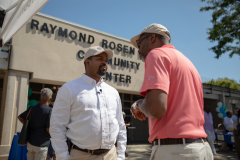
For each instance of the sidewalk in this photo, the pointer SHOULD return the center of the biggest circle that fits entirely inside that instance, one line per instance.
(143, 152)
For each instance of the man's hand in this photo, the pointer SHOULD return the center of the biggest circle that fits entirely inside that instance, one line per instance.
(136, 112)
(127, 124)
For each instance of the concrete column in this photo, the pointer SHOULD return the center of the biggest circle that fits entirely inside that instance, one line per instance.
(15, 102)
(223, 97)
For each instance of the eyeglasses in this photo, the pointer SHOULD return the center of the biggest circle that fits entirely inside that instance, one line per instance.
(140, 39)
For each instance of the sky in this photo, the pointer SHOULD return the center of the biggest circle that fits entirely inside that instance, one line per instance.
(127, 18)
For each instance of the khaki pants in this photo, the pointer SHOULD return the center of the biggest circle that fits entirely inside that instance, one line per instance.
(237, 142)
(79, 155)
(191, 151)
(36, 153)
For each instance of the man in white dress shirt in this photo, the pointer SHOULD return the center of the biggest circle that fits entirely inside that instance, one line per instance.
(92, 112)
(228, 124)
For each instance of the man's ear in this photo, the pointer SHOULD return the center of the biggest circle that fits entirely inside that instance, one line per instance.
(153, 38)
(87, 62)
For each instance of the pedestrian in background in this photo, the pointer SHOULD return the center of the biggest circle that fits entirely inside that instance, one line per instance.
(228, 124)
(92, 111)
(51, 151)
(235, 132)
(127, 124)
(209, 129)
(38, 136)
(173, 99)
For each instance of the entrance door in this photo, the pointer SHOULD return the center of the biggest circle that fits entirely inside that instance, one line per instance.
(138, 130)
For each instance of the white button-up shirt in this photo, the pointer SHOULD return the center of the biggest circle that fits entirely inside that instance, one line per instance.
(228, 123)
(93, 114)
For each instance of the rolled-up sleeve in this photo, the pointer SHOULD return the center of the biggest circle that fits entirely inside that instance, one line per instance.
(122, 137)
(59, 120)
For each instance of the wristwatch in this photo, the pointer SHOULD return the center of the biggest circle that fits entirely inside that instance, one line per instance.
(136, 104)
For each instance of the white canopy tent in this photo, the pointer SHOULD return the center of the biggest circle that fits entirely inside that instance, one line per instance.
(18, 13)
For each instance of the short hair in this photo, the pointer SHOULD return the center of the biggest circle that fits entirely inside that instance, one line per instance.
(207, 106)
(46, 94)
(90, 58)
(163, 38)
(228, 112)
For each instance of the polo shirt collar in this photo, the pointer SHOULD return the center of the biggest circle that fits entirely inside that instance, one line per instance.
(168, 46)
(91, 81)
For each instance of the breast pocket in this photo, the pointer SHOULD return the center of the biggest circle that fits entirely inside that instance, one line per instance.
(86, 101)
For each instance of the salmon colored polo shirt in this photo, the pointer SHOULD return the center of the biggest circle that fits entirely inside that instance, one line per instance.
(169, 70)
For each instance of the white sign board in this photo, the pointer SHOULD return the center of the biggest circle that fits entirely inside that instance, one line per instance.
(220, 137)
(232, 139)
(25, 12)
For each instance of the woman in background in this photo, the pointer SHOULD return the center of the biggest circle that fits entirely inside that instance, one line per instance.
(51, 151)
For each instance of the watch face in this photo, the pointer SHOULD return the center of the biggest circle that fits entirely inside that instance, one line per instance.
(135, 104)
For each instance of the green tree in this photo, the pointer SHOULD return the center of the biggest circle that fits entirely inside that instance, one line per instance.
(224, 82)
(226, 26)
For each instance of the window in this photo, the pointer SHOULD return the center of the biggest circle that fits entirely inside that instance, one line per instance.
(127, 96)
(37, 87)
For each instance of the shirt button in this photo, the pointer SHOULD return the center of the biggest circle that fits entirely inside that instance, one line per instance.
(102, 117)
(103, 142)
(103, 130)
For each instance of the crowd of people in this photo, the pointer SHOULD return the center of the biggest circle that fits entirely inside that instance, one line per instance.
(230, 124)
(87, 122)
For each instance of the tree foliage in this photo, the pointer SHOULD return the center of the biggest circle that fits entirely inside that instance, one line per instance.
(226, 26)
(224, 82)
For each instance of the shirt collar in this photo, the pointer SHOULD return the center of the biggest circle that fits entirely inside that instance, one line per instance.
(168, 46)
(91, 81)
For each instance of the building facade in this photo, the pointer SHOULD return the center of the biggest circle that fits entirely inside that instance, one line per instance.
(48, 52)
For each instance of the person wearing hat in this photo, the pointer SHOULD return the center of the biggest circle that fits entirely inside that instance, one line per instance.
(92, 112)
(235, 132)
(173, 99)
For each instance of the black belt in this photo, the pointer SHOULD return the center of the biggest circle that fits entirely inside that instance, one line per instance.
(93, 152)
(169, 141)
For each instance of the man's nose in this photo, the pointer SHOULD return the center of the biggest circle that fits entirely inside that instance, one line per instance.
(104, 62)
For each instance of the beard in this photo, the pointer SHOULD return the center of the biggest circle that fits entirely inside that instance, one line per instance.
(142, 57)
(100, 72)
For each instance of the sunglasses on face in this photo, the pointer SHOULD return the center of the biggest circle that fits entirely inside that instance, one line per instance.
(140, 39)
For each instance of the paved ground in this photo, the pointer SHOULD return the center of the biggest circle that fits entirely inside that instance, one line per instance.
(143, 152)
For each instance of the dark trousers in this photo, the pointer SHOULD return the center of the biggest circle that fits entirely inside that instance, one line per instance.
(229, 145)
(237, 142)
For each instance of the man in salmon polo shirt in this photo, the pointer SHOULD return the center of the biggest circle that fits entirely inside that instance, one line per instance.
(173, 99)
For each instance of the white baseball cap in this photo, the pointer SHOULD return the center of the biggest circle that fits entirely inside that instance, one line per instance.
(96, 50)
(153, 28)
